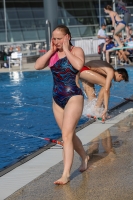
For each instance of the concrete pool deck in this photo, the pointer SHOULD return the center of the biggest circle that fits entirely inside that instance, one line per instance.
(109, 175)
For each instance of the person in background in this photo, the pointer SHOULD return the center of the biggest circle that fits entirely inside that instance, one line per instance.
(131, 32)
(117, 23)
(101, 73)
(123, 57)
(109, 44)
(101, 39)
(130, 35)
(65, 62)
(122, 53)
(121, 6)
(3, 57)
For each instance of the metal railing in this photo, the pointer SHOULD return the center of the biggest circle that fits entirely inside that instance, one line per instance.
(89, 45)
(26, 48)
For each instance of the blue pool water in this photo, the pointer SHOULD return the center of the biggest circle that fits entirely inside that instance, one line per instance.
(26, 109)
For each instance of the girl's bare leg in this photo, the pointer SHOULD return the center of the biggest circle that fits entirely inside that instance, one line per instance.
(128, 33)
(118, 29)
(119, 55)
(92, 77)
(68, 122)
(124, 55)
(76, 141)
(89, 90)
(80, 150)
(107, 56)
(100, 98)
(95, 78)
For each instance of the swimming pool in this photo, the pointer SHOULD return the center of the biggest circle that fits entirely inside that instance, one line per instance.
(26, 109)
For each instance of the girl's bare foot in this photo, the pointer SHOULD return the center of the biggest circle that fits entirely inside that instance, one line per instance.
(84, 164)
(62, 181)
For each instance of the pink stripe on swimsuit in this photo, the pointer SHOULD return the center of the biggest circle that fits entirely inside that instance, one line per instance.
(54, 58)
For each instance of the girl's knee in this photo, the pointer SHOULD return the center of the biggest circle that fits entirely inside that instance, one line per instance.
(67, 138)
(67, 134)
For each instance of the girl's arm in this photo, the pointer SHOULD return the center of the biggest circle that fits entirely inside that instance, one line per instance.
(42, 62)
(76, 57)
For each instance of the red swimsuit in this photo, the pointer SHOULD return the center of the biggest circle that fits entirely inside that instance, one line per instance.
(84, 68)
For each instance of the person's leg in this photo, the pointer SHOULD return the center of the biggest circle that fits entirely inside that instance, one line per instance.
(127, 53)
(126, 19)
(100, 98)
(121, 57)
(101, 95)
(118, 29)
(107, 56)
(124, 55)
(89, 90)
(71, 116)
(101, 49)
(95, 78)
(128, 33)
(92, 77)
(80, 150)
(58, 113)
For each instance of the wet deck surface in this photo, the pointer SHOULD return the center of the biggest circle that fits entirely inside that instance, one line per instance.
(109, 175)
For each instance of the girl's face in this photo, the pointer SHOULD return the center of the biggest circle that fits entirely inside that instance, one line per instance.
(58, 38)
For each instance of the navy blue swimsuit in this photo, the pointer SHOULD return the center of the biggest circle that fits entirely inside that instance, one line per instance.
(119, 22)
(110, 45)
(64, 76)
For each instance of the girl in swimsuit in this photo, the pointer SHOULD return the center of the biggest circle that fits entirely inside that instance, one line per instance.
(116, 20)
(121, 6)
(65, 61)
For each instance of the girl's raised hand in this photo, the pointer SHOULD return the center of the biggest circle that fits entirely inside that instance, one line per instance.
(53, 48)
(66, 42)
